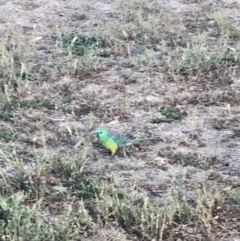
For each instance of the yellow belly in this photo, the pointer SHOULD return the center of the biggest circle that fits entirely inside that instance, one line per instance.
(111, 145)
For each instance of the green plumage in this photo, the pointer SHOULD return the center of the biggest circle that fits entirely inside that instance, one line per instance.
(113, 141)
(119, 139)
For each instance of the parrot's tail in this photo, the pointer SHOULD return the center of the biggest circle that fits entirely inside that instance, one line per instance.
(132, 141)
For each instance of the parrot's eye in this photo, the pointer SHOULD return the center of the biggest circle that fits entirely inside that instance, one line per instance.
(98, 133)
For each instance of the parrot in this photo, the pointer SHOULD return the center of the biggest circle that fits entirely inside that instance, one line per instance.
(112, 141)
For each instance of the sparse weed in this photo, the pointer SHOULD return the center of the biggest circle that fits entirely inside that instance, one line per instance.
(236, 132)
(90, 48)
(31, 104)
(78, 44)
(219, 124)
(83, 188)
(169, 115)
(7, 135)
(161, 221)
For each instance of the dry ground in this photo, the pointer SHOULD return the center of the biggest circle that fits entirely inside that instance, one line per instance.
(151, 68)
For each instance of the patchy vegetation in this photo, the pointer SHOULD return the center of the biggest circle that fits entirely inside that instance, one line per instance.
(78, 44)
(150, 68)
(170, 114)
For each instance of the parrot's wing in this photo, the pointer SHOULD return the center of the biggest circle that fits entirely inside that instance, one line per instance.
(119, 139)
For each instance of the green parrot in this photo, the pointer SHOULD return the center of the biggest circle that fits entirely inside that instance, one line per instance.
(112, 141)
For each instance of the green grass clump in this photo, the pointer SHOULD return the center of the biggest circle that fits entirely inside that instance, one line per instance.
(8, 108)
(79, 44)
(224, 123)
(16, 103)
(7, 135)
(169, 114)
(165, 221)
(235, 119)
(187, 161)
(21, 220)
(236, 132)
(219, 124)
(82, 187)
(6, 116)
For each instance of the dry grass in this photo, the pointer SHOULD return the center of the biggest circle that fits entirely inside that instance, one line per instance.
(169, 70)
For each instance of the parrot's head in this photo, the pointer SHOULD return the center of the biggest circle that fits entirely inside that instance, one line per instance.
(102, 133)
